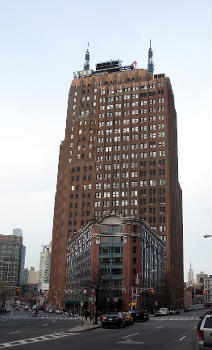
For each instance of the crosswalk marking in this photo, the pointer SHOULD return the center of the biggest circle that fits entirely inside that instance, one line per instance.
(41, 338)
(9, 317)
(194, 318)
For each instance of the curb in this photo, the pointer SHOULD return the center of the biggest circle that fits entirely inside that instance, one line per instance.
(86, 329)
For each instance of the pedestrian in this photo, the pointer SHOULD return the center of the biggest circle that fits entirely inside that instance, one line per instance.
(86, 315)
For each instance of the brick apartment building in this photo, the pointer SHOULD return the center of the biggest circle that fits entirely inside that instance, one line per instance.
(119, 156)
(123, 257)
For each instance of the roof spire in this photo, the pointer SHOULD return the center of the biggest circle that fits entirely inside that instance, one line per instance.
(150, 66)
(87, 59)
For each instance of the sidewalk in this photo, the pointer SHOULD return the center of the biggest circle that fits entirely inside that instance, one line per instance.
(85, 326)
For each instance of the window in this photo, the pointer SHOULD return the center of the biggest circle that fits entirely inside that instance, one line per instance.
(134, 250)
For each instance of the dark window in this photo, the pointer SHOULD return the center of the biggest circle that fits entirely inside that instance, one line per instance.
(134, 272)
(134, 250)
(134, 229)
(208, 322)
(134, 261)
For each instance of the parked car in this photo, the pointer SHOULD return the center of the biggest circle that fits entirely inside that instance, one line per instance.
(139, 315)
(163, 311)
(174, 312)
(128, 318)
(187, 308)
(113, 319)
(204, 340)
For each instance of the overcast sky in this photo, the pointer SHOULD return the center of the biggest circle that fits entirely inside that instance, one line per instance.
(42, 43)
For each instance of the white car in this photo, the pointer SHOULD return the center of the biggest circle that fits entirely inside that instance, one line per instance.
(204, 340)
(163, 311)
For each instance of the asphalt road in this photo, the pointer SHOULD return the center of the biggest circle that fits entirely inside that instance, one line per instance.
(55, 333)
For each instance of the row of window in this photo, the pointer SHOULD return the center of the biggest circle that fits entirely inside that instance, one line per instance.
(129, 129)
(127, 137)
(120, 98)
(125, 156)
(133, 120)
(112, 90)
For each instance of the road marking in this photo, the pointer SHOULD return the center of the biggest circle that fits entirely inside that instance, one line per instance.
(130, 335)
(46, 337)
(159, 327)
(15, 332)
(182, 338)
(130, 341)
(44, 325)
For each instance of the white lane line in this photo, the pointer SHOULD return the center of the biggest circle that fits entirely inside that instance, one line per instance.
(15, 332)
(159, 327)
(130, 335)
(46, 337)
(44, 325)
(182, 338)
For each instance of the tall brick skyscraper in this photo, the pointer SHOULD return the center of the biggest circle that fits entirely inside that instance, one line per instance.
(119, 155)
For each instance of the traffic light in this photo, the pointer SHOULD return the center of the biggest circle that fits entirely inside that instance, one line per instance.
(17, 291)
(203, 292)
(152, 291)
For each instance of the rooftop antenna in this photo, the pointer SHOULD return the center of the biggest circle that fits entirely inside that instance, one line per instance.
(150, 66)
(87, 59)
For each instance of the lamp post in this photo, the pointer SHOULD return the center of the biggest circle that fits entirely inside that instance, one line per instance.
(150, 287)
(207, 236)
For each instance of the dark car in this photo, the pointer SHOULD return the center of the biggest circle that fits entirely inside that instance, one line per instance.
(113, 319)
(139, 315)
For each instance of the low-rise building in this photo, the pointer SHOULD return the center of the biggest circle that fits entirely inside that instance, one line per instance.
(120, 258)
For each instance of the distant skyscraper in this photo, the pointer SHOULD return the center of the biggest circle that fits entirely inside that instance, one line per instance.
(119, 156)
(44, 269)
(12, 258)
(33, 276)
(190, 276)
(18, 232)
